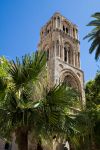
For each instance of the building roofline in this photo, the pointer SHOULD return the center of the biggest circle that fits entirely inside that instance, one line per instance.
(58, 13)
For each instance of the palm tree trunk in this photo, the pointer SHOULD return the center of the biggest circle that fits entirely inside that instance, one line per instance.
(22, 138)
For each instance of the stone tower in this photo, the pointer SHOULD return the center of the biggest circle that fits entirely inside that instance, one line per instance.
(59, 38)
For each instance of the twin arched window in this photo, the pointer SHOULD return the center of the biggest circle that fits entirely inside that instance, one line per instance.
(65, 29)
(68, 54)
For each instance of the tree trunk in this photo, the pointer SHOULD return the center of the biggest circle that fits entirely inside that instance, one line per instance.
(22, 138)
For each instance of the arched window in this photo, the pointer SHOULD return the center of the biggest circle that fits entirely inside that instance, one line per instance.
(57, 48)
(70, 81)
(58, 22)
(70, 56)
(63, 28)
(66, 30)
(65, 54)
(48, 31)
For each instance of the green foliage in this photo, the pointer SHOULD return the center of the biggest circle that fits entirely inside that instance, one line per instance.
(28, 104)
(93, 92)
(94, 35)
(93, 109)
(3, 66)
(15, 101)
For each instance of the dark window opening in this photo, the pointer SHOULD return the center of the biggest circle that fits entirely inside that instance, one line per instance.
(63, 28)
(66, 30)
(47, 54)
(69, 56)
(65, 54)
(57, 48)
(47, 31)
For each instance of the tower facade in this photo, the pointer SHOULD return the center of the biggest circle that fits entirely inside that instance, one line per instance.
(59, 38)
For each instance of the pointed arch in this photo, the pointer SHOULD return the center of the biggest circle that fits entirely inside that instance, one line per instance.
(70, 79)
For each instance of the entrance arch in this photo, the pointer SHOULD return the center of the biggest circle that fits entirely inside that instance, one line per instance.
(70, 79)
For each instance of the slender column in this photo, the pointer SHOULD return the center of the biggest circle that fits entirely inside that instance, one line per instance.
(62, 53)
(75, 34)
(77, 61)
(59, 23)
(74, 59)
(53, 23)
(56, 22)
(67, 56)
(71, 32)
(54, 49)
(58, 50)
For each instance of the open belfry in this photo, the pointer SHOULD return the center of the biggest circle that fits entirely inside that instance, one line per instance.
(59, 38)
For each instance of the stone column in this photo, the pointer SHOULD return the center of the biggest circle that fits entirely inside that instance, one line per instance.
(71, 32)
(74, 58)
(60, 24)
(54, 49)
(63, 53)
(78, 59)
(75, 33)
(67, 56)
(60, 52)
(56, 22)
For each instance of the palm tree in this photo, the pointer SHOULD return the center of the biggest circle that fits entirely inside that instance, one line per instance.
(94, 35)
(25, 105)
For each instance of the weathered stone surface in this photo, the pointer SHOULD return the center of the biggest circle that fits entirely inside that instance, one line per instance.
(59, 37)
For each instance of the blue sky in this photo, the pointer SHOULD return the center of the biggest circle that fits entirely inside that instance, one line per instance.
(21, 21)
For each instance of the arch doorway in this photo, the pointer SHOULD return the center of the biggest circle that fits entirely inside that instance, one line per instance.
(69, 78)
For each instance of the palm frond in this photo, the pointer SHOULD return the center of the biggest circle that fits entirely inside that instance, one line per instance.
(96, 15)
(93, 46)
(95, 23)
(97, 55)
(94, 35)
(30, 67)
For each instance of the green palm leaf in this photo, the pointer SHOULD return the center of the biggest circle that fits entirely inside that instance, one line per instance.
(94, 35)
(28, 69)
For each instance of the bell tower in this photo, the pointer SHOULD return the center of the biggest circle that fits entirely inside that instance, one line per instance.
(59, 38)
